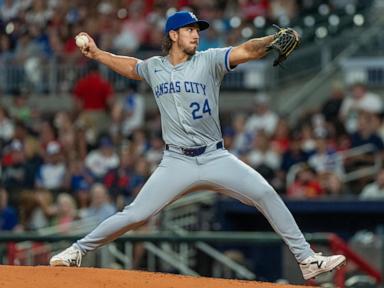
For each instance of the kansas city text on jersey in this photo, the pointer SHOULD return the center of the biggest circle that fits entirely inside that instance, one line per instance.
(177, 86)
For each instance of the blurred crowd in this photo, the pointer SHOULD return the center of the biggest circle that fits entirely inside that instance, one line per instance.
(318, 155)
(40, 29)
(38, 50)
(92, 160)
(96, 156)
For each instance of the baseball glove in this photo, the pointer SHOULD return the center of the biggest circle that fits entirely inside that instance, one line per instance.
(286, 40)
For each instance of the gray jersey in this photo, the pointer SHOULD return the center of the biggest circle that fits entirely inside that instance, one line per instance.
(188, 95)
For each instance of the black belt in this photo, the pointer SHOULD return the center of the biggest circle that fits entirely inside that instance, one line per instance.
(192, 152)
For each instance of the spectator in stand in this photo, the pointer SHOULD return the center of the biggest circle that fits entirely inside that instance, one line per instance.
(39, 13)
(51, 210)
(8, 215)
(155, 152)
(360, 98)
(36, 209)
(139, 143)
(133, 111)
(115, 129)
(7, 58)
(308, 142)
(9, 10)
(78, 174)
(21, 109)
(118, 180)
(262, 157)
(328, 165)
(81, 145)
(228, 138)
(101, 160)
(106, 12)
(375, 190)
(282, 10)
(253, 8)
(155, 36)
(83, 198)
(33, 156)
(29, 54)
(366, 133)
(65, 213)
(47, 134)
(281, 137)
(140, 176)
(333, 185)
(66, 132)
(305, 185)
(17, 172)
(70, 52)
(6, 127)
(331, 108)
(325, 159)
(79, 180)
(242, 139)
(51, 174)
(40, 37)
(93, 96)
(100, 207)
(136, 21)
(125, 41)
(262, 118)
(294, 155)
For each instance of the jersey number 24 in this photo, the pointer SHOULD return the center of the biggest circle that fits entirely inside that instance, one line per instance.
(196, 112)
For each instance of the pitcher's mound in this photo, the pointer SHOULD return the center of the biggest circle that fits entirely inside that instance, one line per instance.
(62, 277)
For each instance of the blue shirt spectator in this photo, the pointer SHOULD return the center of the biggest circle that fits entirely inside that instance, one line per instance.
(8, 215)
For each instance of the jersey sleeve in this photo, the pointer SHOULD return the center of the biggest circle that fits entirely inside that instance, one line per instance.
(142, 69)
(219, 60)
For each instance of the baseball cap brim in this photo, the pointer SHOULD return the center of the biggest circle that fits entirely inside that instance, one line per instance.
(201, 23)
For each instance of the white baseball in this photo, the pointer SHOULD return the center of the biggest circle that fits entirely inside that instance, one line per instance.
(81, 41)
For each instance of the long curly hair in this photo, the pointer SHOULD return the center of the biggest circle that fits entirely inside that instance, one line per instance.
(166, 44)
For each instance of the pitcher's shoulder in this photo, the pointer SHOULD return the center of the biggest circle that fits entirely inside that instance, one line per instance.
(208, 53)
(154, 60)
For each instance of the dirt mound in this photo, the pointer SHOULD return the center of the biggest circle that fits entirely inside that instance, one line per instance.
(58, 277)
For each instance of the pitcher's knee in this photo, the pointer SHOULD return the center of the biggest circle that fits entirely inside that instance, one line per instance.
(135, 215)
(266, 191)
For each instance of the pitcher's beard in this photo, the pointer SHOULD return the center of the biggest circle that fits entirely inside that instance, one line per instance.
(190, 51)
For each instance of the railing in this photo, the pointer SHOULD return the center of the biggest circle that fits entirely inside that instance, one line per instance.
(360, 172)
(251, 238)
(52, 77)
(240, 270)
(26, 251)
(367, 149)
(367, 70)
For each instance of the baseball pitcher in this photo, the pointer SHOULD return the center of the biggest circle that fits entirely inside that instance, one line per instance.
(186, 85)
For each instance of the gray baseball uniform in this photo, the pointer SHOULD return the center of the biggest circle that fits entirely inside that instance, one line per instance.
(188, 96)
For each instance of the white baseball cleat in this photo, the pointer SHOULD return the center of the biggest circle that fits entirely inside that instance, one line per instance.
(318, 264)
(69, 257)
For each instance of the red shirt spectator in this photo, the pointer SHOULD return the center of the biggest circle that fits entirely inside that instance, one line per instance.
(92, 92)
(306, 185)
(253, 8)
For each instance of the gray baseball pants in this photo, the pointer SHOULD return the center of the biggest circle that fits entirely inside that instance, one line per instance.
(216, 170)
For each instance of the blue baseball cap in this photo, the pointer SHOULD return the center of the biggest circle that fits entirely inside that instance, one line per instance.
(183, 18)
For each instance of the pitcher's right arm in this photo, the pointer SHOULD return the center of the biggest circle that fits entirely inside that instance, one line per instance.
(123, 65)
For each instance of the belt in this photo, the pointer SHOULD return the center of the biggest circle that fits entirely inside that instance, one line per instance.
(193, 152)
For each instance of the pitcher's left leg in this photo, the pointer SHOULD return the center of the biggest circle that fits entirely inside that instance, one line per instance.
(240, 181)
